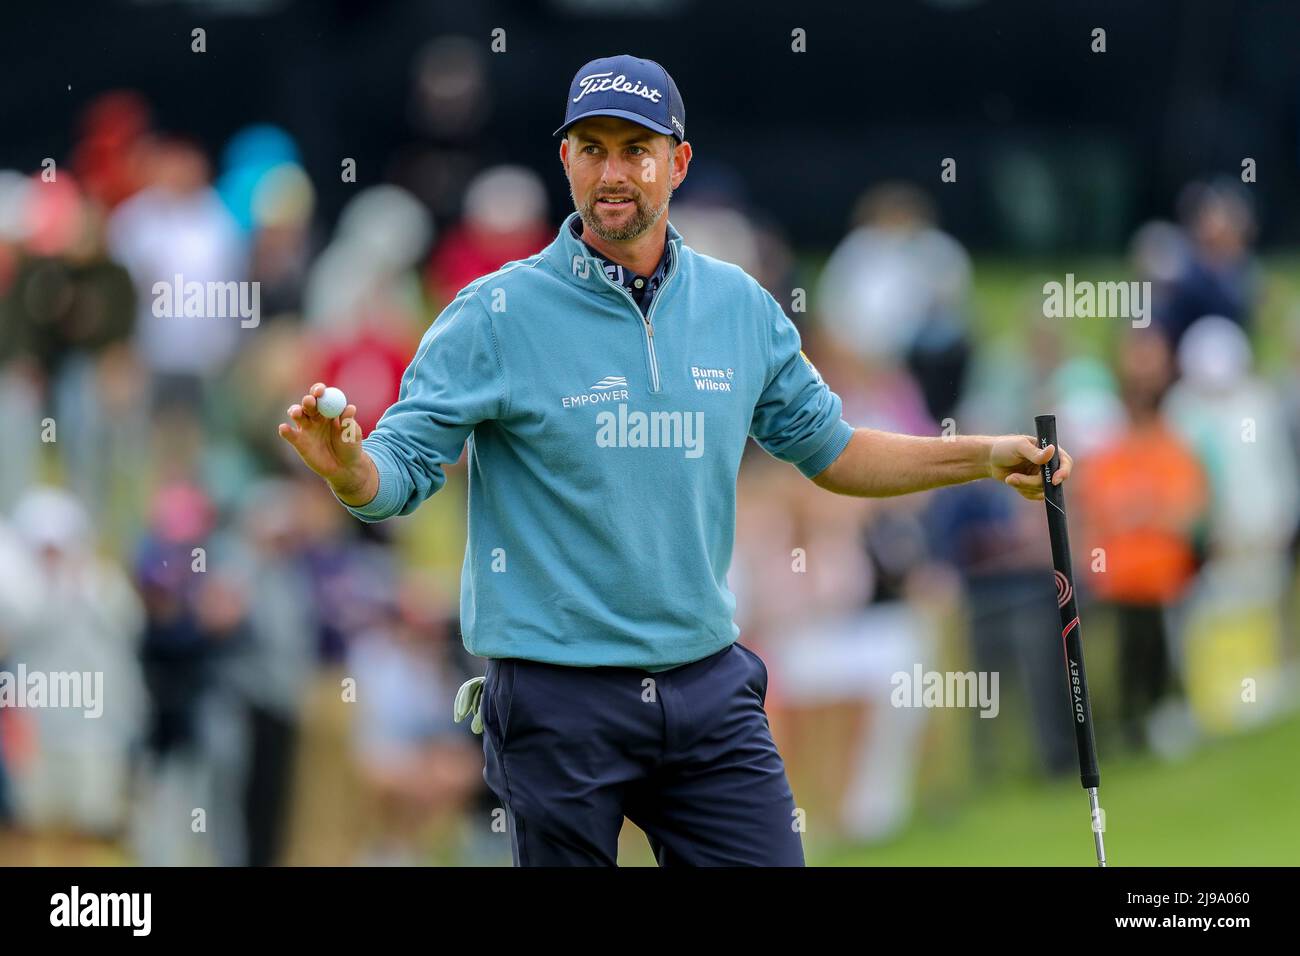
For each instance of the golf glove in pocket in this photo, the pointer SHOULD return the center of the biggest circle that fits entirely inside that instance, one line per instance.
(468, 701)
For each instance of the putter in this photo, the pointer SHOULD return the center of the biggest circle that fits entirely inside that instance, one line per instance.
(1071, 636)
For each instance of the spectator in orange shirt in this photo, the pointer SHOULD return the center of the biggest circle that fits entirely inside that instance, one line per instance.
(1145, 521)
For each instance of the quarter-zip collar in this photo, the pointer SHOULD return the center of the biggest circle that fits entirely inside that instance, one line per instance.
(641, 288)
(572, 259)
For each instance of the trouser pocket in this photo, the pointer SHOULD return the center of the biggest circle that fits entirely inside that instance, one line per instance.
(761, 667)
(498, 696)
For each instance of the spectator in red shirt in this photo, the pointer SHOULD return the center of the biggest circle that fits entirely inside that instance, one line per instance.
(505, 219)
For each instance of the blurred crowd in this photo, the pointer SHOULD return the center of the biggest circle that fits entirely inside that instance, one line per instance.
(1185, 512)
(278, 678)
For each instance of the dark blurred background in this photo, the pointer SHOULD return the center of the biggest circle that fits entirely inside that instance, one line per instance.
(1008, 87)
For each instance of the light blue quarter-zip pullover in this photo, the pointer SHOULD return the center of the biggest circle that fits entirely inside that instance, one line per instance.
(603, 449)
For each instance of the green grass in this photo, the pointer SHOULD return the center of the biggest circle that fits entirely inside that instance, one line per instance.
(1234, 802)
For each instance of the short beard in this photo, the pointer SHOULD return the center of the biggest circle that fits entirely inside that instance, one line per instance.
(640, 223)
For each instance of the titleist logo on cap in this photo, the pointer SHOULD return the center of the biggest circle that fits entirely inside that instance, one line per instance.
(600, 82)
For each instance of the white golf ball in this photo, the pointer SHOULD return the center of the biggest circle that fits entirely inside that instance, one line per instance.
(332, 402)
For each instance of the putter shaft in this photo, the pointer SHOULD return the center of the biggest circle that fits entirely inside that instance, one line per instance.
(1097, 825)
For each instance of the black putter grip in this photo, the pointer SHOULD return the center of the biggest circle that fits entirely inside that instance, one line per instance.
(1071, 631)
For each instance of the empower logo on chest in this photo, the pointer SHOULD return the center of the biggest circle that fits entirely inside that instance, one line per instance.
(611, 388)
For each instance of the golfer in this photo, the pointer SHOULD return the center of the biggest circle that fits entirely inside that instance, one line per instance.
(605, 389)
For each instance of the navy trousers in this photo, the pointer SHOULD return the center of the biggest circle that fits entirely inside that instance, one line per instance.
(684, 754)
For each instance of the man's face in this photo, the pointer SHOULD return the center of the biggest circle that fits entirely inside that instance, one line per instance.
(621, 175)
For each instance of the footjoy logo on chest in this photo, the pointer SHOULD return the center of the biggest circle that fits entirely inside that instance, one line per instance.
(712, 379)
(611, 388)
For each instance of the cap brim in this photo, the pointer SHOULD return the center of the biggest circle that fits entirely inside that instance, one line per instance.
(621, 114)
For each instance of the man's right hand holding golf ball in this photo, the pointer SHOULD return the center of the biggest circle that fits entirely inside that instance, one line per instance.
(331, 445)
